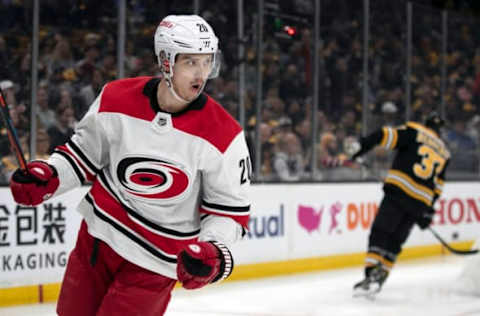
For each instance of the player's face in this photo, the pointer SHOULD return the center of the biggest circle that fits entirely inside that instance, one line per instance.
(191, 73)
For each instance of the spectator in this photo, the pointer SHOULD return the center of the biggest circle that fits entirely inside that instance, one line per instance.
(89, 91)
(61, 132)
(389, 114)
(43, 144)
(304, 131)
(463, 148)
(288, 164)
(348, 123)
(45, 114)
(8, 89)
(61, 57)
(329, 149)
(292, 85)
(109, 67)
(88, 63)
(267, 142)
(67, 99)
(295, 111)
(267, 151)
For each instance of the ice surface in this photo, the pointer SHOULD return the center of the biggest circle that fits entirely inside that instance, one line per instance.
(420, 287)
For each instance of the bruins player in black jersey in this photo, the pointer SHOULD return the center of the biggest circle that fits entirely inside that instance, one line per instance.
(411, 187)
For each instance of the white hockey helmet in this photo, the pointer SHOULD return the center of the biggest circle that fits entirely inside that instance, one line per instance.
(185, 34)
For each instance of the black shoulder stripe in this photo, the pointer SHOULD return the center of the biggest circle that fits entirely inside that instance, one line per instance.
(84, 158)
(71, 161)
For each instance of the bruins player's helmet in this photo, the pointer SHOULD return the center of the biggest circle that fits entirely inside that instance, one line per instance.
(434, 121)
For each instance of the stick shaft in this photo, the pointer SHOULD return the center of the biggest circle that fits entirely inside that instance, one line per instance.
(450, 248)
(11, 133)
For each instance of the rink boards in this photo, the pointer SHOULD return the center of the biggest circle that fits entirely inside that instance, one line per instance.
(293, 228)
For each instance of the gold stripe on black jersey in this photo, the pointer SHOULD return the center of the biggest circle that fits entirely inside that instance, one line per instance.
(389, 139)
(409, 186)
(372, 259)
(438, 186)
(422, 128)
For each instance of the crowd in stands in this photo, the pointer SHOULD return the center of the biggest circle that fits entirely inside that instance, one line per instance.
(78, 55)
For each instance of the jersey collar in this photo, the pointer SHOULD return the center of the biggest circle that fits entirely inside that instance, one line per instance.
(150, 90)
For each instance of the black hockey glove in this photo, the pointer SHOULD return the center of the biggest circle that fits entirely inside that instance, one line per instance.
(426, 218)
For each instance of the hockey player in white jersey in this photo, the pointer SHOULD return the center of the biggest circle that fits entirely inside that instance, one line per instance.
(170, 178)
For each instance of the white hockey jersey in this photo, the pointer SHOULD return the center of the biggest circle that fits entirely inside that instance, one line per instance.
(157, 177)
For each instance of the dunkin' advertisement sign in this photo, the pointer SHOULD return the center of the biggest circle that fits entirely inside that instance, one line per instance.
(300, 221)
(307, 220)
(340, 222)
(357, 215)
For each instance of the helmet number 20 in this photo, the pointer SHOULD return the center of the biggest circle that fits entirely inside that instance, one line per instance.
(202, 28)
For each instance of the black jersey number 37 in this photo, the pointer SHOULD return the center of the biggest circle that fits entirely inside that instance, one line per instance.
(432, 163)
(246, 170)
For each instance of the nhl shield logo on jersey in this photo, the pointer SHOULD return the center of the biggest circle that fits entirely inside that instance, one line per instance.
(162, 121)
(152, 179)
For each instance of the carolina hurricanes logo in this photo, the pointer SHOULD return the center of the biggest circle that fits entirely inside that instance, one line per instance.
(151, 178)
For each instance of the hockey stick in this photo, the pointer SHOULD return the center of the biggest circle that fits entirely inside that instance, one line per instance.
(363, 164)
(452, 250)
(354, 164)
(12, 134)
(337, 162)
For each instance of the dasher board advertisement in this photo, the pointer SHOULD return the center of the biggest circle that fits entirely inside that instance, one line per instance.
(35, 240)
(288, 222)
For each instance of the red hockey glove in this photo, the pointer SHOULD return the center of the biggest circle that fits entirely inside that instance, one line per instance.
(201, 263)
(35, 186)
